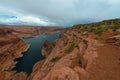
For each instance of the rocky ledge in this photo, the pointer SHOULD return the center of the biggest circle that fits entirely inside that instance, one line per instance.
(11, 47)
(84, 52)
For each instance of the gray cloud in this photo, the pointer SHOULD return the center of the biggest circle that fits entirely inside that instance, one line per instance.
(66, 12)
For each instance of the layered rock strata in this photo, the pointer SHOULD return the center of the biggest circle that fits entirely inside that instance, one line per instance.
(11, 47)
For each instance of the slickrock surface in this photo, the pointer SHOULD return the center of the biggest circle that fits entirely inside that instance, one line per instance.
(81, 55)
(11, 47)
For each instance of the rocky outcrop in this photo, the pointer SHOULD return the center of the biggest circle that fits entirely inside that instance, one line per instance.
(75, 56)
(11, 47)
(114, 40)
(70, 59)
(47, 48)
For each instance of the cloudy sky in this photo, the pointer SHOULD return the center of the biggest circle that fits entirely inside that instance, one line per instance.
(57, 12)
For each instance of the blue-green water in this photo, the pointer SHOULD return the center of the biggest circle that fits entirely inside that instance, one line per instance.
(33, 54)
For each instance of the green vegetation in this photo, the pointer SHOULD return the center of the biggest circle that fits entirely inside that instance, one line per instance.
(103, 28)
(114, 27)
(55, 58)
(99, 27)
(72, 46)
(99, 30)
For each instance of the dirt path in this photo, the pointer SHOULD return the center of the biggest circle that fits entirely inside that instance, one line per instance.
(107, 65)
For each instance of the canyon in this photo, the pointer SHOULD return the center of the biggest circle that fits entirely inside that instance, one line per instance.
(12, 47)
(82, 52)
(31, 31)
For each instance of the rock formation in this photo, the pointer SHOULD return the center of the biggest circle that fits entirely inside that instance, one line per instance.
(30, 31)
(47, 48)
(82, 53)
(11, 47)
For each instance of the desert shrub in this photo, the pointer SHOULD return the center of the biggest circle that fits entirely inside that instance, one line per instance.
(72, 46)
(84, 28)
(55, 58)
(100, 29)
(114, 27)
(91, 29)
(98, 32)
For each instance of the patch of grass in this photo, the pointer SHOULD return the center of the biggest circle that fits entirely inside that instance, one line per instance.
(99, 27)
(55, 58)
(99, 30)
(114, 27)
(90, 29)
(72, 46)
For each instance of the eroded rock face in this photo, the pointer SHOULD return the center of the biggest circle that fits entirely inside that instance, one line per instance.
(73, 56)
(11, 47)
(79, 57)
(114, 40)
(47, 48)
(30, 31)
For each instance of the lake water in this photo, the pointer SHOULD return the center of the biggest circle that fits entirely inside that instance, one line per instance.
(33, 54)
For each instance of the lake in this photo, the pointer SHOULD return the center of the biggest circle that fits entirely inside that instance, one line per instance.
(33, 55)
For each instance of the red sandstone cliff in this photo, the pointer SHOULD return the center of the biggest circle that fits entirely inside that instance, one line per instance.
(84, 52)
(30, 31)
(79, 54)
(11, 47)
